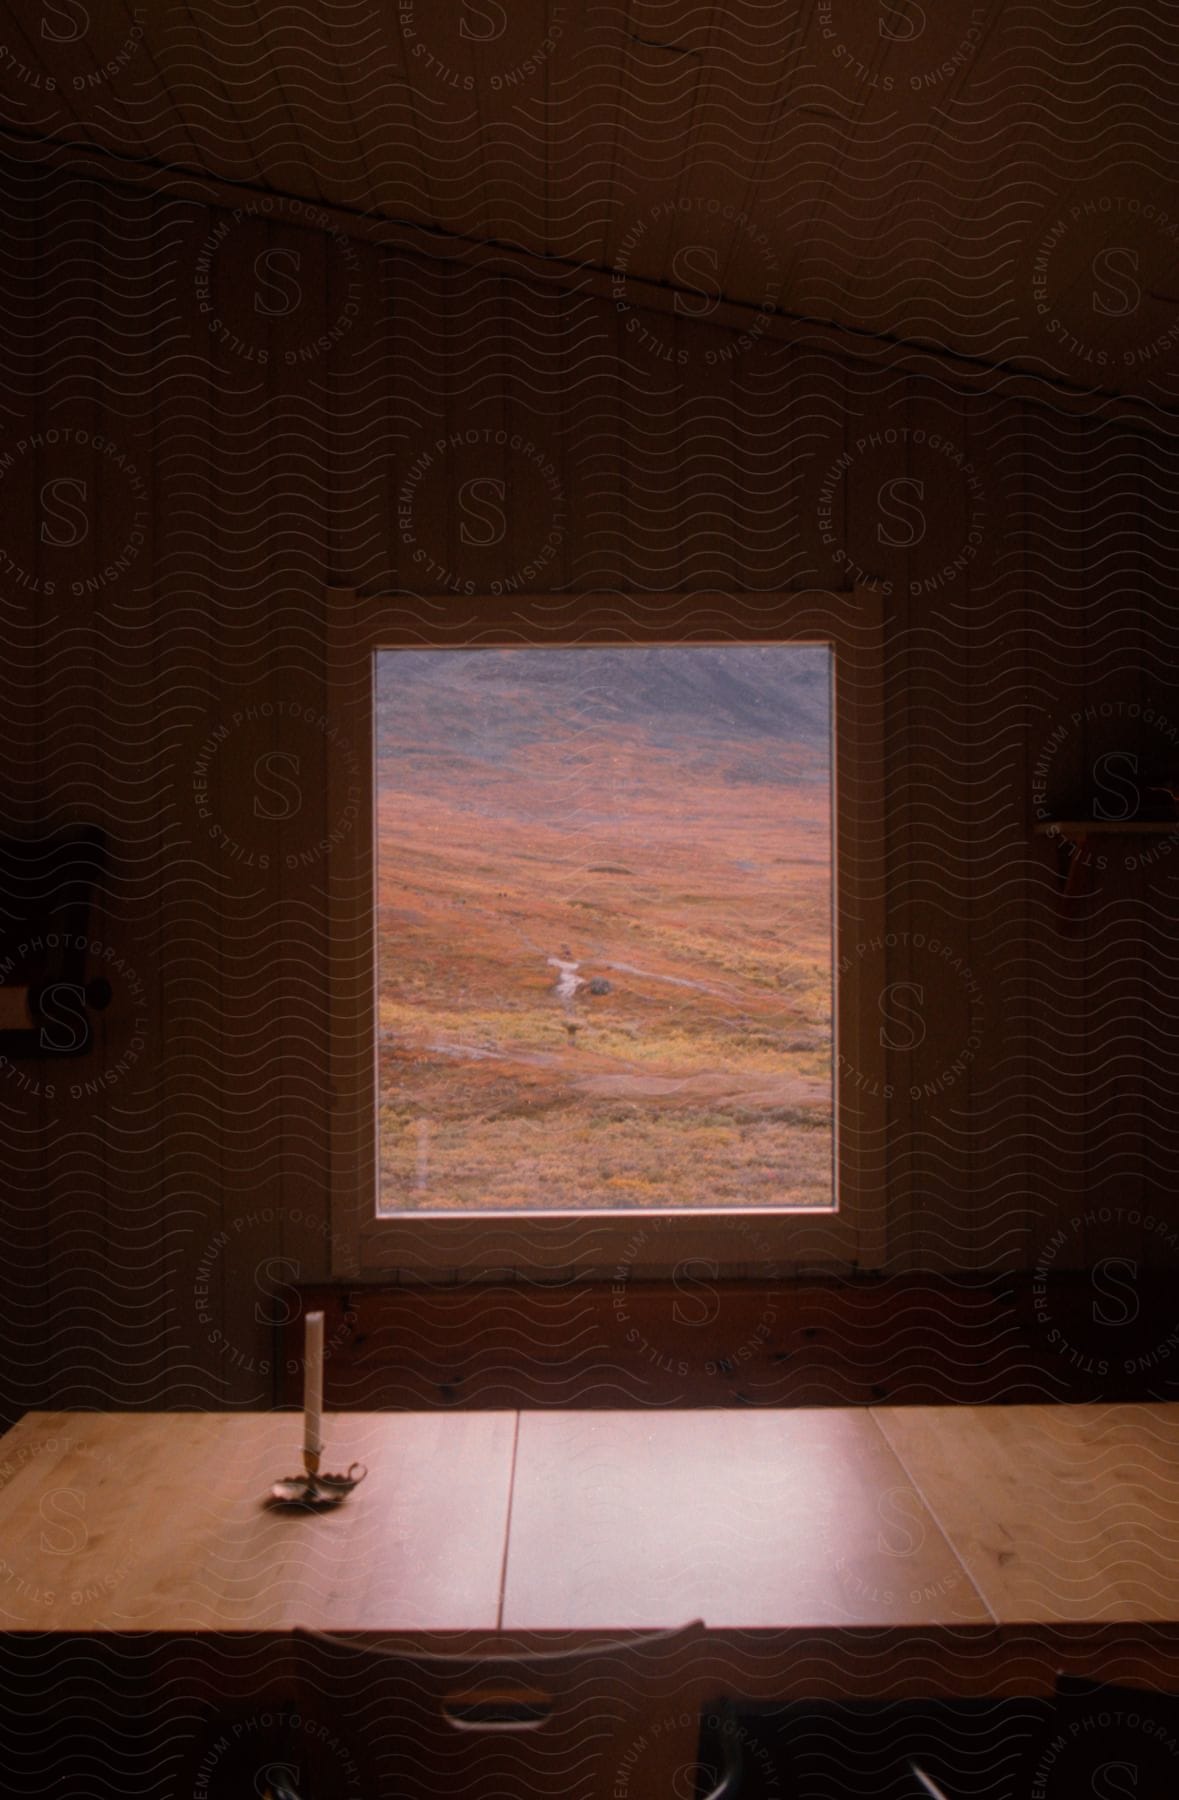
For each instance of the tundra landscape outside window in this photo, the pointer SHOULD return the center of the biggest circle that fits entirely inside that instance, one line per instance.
(604, 939)
(597, 920)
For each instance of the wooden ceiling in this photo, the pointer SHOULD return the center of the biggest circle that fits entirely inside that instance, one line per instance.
(996, 178)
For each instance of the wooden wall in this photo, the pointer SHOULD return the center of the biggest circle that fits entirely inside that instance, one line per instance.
(271, 389)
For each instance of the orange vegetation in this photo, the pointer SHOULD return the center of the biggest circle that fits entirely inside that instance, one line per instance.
(605, 977)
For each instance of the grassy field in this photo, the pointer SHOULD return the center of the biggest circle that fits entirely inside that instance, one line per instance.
(604, 976)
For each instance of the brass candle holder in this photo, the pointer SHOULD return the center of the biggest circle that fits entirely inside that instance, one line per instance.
(311, 1489)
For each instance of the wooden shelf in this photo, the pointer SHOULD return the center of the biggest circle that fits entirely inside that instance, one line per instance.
(1106, 827)
(1077, 832)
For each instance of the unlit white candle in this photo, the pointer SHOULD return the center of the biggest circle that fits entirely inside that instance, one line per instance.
(313, 1386)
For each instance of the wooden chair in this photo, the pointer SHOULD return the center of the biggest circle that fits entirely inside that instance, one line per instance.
(1104, 1738)
(1098, 1738)
(616, 1720)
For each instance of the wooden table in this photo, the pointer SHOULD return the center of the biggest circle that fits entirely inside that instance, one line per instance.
(965, 1549)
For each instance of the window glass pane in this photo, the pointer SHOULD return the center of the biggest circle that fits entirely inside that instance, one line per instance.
(604, 928)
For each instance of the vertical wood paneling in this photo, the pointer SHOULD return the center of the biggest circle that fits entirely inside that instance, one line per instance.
(296, 990)
(1064, 473)
(269, 479)
(190, 626)
(1117, 1008)
(596, 447)
(125, 732)
(938, 1004)
(138, 1211)
(995, 620)
(74, 482)
(211, 105)
(889, 852)
(26, 1112)
(259, 546)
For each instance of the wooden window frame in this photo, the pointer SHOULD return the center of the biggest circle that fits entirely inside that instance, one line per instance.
(554, 1245)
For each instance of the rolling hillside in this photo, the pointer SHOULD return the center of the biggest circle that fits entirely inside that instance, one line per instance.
(604, 928)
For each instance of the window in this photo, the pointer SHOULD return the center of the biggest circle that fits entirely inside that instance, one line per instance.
(584, 962)
(603, 910)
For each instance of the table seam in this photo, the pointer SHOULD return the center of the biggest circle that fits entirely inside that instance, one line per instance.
(503, 1567)
(931, 1509)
